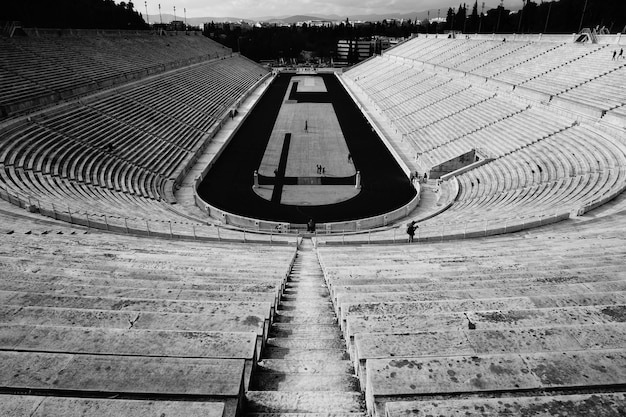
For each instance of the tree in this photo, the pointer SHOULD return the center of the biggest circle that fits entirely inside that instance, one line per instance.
(472, 24)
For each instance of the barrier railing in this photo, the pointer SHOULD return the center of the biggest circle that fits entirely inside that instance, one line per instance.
(159, 228)
(438, 232)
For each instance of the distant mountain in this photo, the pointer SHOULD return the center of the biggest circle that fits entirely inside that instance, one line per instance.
(295, 19)
(198, 21)
(195, 21)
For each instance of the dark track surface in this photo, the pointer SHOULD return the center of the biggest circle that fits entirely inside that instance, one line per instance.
(228, 184)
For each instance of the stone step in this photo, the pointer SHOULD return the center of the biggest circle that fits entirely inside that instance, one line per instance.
(329, 414)
(287, 317)
(321, 304)
(297, 287)
(303, 402)
(301, 279)
(325, 366)
(304, 354)
(295, 382)
(297, 275)
(306, 297)
(305, 343)
(308, 331)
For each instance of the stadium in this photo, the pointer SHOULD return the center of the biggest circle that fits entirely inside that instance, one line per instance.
(188, 233)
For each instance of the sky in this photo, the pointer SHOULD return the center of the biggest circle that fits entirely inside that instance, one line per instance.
(344, 8)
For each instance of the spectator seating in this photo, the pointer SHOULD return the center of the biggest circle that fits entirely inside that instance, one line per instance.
(515, 314)
(80, 312)
(582, 73)
(40, 70)
(116, 153)
(545, 162)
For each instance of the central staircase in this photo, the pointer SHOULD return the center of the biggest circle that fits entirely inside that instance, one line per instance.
(305, 370)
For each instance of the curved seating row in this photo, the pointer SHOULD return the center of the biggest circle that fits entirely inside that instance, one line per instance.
(90, 310)
(112, 155)
(545, 162)
(36, 71)
(583, 73)
(507, 314)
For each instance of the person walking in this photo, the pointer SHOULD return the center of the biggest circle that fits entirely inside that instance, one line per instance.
(306, 125)
(410, 230)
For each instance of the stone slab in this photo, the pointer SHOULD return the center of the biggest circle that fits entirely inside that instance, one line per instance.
(303, 402)
(408, 285)
(401, 323)
(606, 298)
(240, 321)
(118, 374)
(434, 307)
(371, 346)
(602, 404)
(40, 406)
(509, 372)
(183, 344)
(134, 304)
(469, 293)
(142, 293)
(410, 376)
(522, 340)
(489, 319)
(34, 282)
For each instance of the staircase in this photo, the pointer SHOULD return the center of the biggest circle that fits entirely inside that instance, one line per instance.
(305, 370)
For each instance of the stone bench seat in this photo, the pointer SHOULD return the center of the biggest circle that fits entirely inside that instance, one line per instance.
(454, 342)
(345, 298)
(133, 342)
(484, 319)
(41, 406)
(389, 379)
(591, 404)
(16, 281)
(435, 307)
(27, 299)
(50, 373)
(385, 290)
(246, 320)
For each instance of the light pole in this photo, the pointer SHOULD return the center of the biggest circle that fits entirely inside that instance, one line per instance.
(482, 13)
(160, 16)
(582, 17)
(521, 16)
(499, 15)
(147, 17)
(545, 29)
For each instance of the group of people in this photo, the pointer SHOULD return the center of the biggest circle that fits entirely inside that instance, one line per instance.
(616, 56)
(321, 169)
(416, 176)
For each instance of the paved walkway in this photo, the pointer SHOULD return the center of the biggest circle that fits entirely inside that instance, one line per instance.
(185, 195)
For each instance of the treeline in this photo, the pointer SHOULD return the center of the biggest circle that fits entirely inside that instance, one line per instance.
(275, 42)
(77, 14)
(563, 16)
